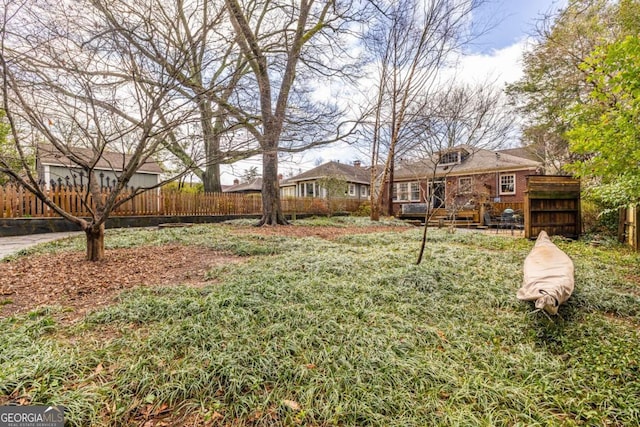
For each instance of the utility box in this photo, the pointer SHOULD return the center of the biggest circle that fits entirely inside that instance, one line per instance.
(552, 204)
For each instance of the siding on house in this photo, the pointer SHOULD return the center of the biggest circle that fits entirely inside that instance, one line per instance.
(54, 166)
(104, 178)
(308, 184)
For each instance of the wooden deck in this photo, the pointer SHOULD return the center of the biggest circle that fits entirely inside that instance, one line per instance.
(464, 218)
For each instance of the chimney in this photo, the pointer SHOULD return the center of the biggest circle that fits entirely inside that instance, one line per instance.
(280, 177)
(356, 163)
(236, 181)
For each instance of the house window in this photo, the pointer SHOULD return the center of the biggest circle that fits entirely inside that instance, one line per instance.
(465, 185)
(452, 157)
(508, 184)
(403, 191)
(288, 191)
(414, 196)
(308, 189)
(352, 189)
(364, 191)
(406, 192)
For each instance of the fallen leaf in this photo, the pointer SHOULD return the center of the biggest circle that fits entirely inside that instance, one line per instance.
(291, 404)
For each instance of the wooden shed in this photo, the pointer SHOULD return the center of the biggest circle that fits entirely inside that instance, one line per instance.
(552, 203)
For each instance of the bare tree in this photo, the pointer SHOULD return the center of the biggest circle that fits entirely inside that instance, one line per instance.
(459, 117)
(193, 42)
(276, 38)
(68, 83)
(412, 41)
(225, 57)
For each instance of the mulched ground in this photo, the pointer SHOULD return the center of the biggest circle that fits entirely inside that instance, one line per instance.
(66, 279)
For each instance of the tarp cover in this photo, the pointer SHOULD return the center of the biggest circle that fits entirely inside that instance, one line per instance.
(548, 275)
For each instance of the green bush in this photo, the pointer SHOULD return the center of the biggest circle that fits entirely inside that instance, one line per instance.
(363, 210)
(598, 219)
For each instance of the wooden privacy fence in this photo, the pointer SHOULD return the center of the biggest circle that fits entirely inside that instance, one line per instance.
(552, 203)
(16, 202)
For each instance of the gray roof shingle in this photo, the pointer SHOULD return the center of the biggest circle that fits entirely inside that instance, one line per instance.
(244, 187)
(111, 161)
(354, 174)
(478, 161)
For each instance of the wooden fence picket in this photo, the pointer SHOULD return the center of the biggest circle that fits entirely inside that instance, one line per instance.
(16, 202)
(2, 202)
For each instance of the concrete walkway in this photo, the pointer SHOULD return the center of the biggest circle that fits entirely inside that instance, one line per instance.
(11, 245)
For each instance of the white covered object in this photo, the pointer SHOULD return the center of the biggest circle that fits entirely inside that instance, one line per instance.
(548, 275)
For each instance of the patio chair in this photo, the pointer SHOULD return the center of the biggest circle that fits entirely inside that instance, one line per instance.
(490, 221)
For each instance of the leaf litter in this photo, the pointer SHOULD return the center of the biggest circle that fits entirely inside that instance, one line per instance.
(68, 280)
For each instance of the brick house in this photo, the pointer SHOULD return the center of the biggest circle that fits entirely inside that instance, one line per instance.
(464, 178)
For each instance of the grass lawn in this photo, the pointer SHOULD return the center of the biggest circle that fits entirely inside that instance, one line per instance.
(344, 331)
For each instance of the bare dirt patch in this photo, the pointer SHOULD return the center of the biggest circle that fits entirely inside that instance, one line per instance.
(68, 280)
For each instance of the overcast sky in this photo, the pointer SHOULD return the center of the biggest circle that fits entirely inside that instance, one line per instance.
(495, 56)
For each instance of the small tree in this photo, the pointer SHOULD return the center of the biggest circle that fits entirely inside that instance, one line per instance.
(68, 83)
(463, 116)
(335, 187)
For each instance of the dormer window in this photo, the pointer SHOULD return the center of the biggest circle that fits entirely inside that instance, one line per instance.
(450, 158)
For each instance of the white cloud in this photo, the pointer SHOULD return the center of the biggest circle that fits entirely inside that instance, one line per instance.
(500, 66)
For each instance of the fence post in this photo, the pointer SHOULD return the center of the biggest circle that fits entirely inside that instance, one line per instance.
(636, 218)
(2, 196)
(622, 222)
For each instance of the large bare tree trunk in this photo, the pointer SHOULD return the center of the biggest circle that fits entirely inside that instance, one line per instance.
(95, 243)
(272, 115)
(271, 206)
(211, 179)
(211, 132)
